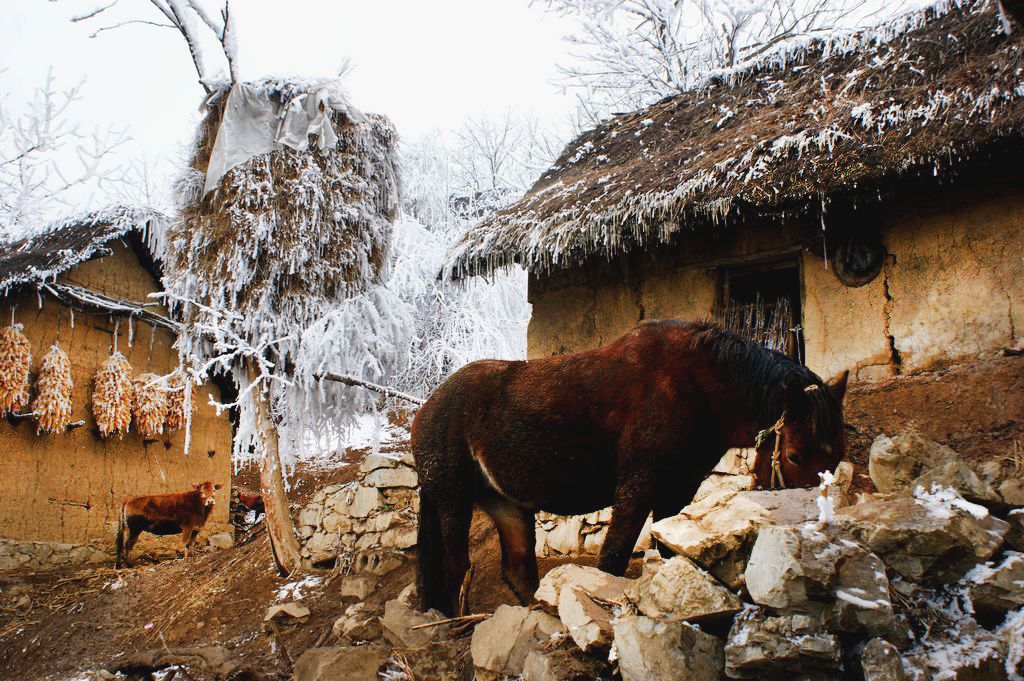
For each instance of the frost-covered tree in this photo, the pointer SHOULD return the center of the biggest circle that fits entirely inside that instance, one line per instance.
(279, 249)
(447, 188)
(209, 33)
(631, 53)
(47, 162)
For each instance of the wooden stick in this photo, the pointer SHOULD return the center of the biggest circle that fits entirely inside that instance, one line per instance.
(453, 620)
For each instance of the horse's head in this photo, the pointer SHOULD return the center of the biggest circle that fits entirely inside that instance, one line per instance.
(809, 437)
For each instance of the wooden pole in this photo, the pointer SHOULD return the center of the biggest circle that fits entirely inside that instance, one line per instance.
(283, 543)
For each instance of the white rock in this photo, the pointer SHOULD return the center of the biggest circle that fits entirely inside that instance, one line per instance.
(881, 661)
(392, 477)
(221, 540)
(678, 590)
(765, 647)
(894, 462)
(359, 623)
(997, 589)
(500, 644)
(400, 618)
(649, 650)
(358, 586)
(373, 462)
(588, 623)
(565, 537)
(718, 531)
(931, 538)
(591, 580)
(364, 501)
(287, 613)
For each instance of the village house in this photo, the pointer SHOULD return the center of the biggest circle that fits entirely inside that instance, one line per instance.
(857, 203)
(85, 285)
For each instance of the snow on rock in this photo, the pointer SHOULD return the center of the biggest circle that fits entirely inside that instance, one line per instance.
(761, 646)
(804, 569)
(995, 589)
(931, 538)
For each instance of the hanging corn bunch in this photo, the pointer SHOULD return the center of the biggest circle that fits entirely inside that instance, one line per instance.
(179, 402)
(112, 395)
(149, 405)
(15, 358)
(53, 392)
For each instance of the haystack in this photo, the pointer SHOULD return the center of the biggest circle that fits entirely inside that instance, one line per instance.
(278, 235)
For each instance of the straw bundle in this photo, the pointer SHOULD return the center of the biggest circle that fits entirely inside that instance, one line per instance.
(149, 404)
(15, 358)
(178, 401)
(286, 234)
(53, 392)
(112, 395)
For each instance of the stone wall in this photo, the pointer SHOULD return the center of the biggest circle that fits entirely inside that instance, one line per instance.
(947, 291)
(66, 489)
(371, 521)
(367, 523)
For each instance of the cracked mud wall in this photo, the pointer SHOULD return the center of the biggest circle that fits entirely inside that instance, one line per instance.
(952, 288)
(67, 488)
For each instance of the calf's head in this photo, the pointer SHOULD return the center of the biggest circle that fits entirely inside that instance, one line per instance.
(206, 493)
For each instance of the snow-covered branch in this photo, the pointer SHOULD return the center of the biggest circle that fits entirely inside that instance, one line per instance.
(46, 160)
(631, 53)
(197, 26)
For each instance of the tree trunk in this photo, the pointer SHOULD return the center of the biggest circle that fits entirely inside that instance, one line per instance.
(285, 547)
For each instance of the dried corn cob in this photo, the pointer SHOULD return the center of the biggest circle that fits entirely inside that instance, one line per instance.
(149, 405)
(112, 395)
(15, 358)
(178, 401)
(53, 392)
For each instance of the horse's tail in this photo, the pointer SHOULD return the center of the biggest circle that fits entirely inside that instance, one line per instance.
(430, 573)
(121, 526)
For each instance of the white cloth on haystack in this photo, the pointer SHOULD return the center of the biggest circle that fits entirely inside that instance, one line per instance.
(255, 124)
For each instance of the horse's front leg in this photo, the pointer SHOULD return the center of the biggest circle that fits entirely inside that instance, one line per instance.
(634, 499)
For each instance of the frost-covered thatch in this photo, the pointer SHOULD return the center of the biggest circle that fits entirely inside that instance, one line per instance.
(285, 233)
(847, 116)
(68, 243)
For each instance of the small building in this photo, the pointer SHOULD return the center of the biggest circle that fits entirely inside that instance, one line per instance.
(86, 285)
(858, 203)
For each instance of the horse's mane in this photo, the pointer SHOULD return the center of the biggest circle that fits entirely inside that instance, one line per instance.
(761, 375)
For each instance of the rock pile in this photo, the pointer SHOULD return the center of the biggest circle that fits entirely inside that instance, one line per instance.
(583, 535)
(917, 583)
(367, 523)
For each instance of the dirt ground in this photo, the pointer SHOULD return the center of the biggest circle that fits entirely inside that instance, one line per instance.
(97, 617)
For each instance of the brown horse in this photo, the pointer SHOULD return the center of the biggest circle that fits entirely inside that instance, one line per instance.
(636, 425)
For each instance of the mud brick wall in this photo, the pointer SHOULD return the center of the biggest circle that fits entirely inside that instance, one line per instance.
(67, 488)
(950, 289)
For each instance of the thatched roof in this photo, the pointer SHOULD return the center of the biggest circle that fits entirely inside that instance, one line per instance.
(913, 98)
(77, 239)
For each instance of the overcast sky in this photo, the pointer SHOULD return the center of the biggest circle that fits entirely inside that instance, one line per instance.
(427, 65)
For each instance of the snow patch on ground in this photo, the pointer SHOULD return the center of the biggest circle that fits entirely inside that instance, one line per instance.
(293, 591)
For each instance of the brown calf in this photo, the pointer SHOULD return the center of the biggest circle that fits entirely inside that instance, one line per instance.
(252, 502)
(164, 514)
